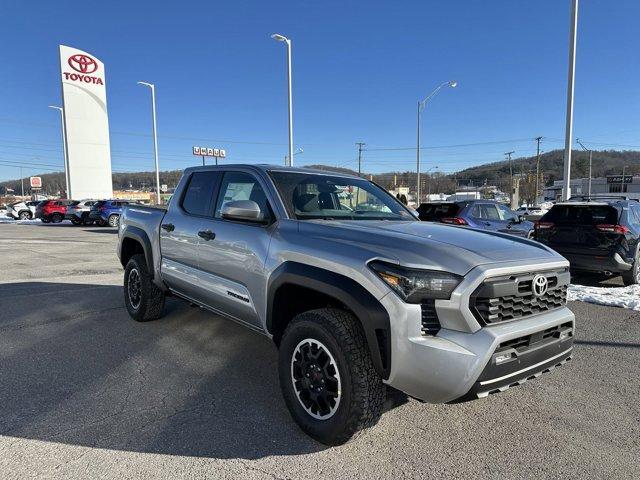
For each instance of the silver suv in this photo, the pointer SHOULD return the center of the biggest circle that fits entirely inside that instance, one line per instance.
(355, 291)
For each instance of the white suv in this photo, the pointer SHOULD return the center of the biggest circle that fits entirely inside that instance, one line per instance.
(22, 210)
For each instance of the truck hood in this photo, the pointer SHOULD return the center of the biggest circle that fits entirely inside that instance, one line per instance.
(430, 245)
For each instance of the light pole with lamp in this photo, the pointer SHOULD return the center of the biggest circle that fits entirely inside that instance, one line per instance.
(282, 38)
(421, 105)
(65, 159)
(155, 136)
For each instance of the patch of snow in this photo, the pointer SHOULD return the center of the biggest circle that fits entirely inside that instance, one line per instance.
(623, 297)
(11, 220)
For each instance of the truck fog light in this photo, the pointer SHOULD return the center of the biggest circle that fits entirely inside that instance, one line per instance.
(499, 358)
(565, 334)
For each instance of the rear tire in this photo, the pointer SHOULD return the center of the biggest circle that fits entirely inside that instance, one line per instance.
(56, 218)
(327, 376)
(114, 220)
(143, 299)
(24, 216)
(632, 277)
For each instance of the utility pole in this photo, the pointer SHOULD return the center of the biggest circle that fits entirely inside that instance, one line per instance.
(590, 162)
(360, 145)
(566, 181)
(22, 181)
(538, 139)
(508, 154)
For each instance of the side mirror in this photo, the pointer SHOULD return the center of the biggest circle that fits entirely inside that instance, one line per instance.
(242, 210)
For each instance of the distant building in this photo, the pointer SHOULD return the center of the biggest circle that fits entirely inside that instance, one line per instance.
(613, 185)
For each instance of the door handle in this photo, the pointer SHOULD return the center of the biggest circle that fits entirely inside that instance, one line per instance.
(169, 227)
(206, 234)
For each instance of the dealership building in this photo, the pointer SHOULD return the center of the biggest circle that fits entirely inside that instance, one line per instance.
(612, 185)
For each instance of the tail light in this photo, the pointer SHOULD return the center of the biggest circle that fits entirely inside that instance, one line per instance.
(454, 220)
(543, 225)
(605, 227)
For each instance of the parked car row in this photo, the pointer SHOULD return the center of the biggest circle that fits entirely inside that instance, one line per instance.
(481, 214)
(79, 212)
(598, 236)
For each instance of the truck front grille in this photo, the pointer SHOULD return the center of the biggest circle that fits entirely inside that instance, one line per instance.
(510, 298)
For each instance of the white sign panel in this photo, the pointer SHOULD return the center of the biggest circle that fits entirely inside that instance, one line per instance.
(87, 124)
(35, 182)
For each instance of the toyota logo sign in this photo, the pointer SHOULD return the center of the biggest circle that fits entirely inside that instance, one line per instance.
(82, 63)
(539, 285)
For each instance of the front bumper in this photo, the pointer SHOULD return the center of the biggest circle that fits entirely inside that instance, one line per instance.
(456, 363)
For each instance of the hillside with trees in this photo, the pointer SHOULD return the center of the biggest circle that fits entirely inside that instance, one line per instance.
(606, 162)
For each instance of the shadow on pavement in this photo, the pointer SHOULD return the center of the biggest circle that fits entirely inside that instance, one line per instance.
(101, 230)
(76, 369)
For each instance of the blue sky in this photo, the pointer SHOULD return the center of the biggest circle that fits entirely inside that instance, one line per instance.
(359, 69)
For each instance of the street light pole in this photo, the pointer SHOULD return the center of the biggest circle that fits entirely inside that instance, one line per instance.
(65, 158)
(155, 136)
(566, 181)
(421, 105)
(282, 38)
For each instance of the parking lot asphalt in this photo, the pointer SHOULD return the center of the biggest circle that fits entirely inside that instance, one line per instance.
(86, 392)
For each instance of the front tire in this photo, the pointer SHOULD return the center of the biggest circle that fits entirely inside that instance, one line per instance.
(56, 218)
(327, 376)
(143, 299)
(24, 216)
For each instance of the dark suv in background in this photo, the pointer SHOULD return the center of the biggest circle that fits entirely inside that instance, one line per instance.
(599, 236)
(481, 214)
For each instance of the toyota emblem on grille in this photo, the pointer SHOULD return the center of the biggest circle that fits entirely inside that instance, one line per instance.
(539, 285)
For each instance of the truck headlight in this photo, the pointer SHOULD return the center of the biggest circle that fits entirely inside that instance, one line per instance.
(414, 285)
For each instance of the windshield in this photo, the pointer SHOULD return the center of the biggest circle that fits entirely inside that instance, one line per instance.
(331, 197)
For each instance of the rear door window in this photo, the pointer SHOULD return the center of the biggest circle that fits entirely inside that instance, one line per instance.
(200, 192)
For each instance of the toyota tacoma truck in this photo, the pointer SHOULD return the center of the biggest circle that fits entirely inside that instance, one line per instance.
(356, 292)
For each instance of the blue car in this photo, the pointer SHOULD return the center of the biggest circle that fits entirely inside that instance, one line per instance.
(482, 214)
(107, 212)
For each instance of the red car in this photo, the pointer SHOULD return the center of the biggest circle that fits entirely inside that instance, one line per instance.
(52, 210)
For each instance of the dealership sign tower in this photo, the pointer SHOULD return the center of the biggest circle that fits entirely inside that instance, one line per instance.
(87, 124)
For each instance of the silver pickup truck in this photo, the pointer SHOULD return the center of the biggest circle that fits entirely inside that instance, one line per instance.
(356, 292)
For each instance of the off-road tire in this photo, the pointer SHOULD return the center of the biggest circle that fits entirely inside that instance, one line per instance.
(362, 394)
(632, 277)
(151, 301)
